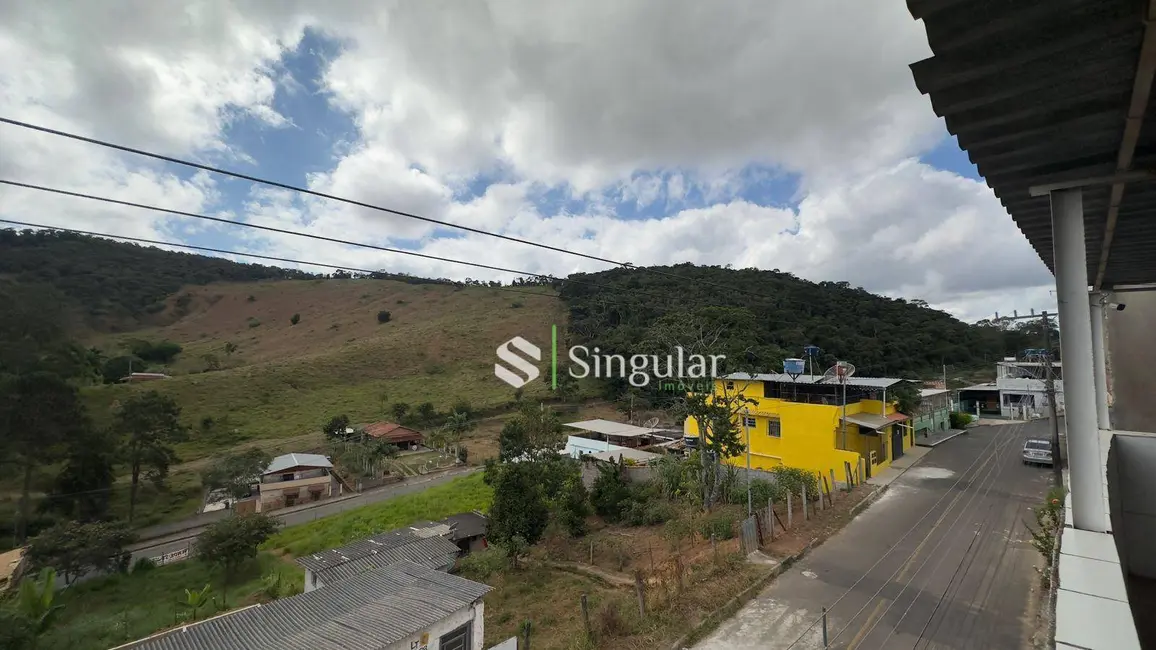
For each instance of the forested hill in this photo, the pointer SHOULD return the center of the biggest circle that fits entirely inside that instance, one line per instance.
(765, 316)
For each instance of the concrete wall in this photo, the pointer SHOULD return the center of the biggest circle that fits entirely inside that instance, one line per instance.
(1131, 484)
(474, 614)
(1132, 362)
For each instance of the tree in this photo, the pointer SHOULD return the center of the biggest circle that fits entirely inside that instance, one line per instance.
(236, 473)
(907, 397)
(573, 506)
(383, 316)
(196, 599)
(400, 410)
(83, 488)
(567, 388)
(39, 412)
(231, 542)
(74, 549)
(294, 319)
(519, 508)
(336, 427)
(719, 437)
(150, 424)
(212, 361)
(117, 368)
(230, 348)
(609, 491)
(532, 434)
(36, 603)
(426, 412)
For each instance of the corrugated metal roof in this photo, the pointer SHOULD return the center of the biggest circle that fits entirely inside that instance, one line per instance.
(467, 524)
(377, 544)
(637, 455)
(861, 382)
(611, 428)
(287, 461)
(1037, 92)
(365, 612)
(433, 552)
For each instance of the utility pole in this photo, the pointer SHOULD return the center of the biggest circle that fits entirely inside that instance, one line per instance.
(1050, 388)
(747, 434)
(1050, 384)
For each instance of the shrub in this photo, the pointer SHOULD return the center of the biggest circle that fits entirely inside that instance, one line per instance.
(761, 491)
(515, 305)
(793, 479)
(162, 352)
(143, 564)
(959, 420)
(253, 322)
(609, 492)
(721, 525)
(252, 298)
(296, 318)
(610, 622)
(483, 564)
(383, 316)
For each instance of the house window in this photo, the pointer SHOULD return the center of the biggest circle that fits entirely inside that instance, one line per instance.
(774, 428)
(730, 385)
(750, 422)
(287, 477)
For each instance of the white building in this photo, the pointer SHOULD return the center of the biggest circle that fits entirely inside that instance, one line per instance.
(1022, 386)
(399, 607)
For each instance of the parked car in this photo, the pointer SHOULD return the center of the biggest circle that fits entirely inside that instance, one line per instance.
(1038, 451)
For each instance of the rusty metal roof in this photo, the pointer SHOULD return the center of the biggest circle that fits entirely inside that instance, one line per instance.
(1038, 92)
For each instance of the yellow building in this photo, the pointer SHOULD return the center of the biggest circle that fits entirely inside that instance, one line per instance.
(800, 423)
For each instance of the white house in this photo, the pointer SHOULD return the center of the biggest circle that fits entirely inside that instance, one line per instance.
(404, 606)
(1022, 387)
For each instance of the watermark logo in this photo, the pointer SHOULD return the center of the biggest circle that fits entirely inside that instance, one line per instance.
(637, 369)
(530, 370)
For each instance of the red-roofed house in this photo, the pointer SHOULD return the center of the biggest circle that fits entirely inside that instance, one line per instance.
(395, 434)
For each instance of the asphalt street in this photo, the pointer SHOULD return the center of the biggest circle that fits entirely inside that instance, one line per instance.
(185, 539)
(942, 560)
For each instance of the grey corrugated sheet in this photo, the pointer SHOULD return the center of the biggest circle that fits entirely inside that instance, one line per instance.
(366, 612)
(467, 524)
(433, 552)
(286, 461)
(379, 543)
(1036, 92)
(861, 382)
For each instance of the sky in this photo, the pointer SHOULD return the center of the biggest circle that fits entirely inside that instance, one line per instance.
(778, 135)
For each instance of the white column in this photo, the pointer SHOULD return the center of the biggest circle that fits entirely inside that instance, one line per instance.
(1086, 471)
(1099, 361)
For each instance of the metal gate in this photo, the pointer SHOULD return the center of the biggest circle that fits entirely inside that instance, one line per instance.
(458, 639)
(896, 443)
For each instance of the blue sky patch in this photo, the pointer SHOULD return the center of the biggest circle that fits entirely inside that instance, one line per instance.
(948, 156)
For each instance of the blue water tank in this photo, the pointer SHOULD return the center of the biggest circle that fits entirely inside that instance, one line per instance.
(793, 367)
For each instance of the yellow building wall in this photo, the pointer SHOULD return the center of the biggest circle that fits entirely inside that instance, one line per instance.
(811, 434)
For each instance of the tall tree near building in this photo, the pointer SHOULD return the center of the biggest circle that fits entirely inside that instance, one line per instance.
(150, 423)
(231, 542)
(236, 473)
(39, 412)
(719, 436)
(83, 488)
(74, 548)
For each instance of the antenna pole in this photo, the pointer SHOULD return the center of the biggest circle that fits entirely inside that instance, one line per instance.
(1050, 383)
(747, 431)
(843, 380)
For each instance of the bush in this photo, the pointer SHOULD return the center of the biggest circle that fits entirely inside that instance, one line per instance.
(610, 492)
(515, 305)
(163, 352)
(721, 525)
(296, 318)
(793, 479)
(483, 564)
(959, 420)
(252, 298)
(383, 316)
(143, 565)
(761, 491)
(253, 322)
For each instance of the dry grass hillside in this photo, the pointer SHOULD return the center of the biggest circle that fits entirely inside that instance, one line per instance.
(284, 381)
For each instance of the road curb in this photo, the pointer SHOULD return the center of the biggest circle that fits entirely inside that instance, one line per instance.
(932, 445)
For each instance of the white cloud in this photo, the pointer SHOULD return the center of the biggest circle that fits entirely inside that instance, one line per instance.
(650, 100)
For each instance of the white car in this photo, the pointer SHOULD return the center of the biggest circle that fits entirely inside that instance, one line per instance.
(1038, 451)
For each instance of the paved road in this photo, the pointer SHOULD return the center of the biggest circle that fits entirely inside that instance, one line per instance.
(941, 560)
(181, 540)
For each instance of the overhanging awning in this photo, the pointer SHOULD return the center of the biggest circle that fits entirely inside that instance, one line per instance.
(869, 420)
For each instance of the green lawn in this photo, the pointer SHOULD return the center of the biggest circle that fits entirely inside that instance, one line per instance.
(107, 612)
(110, 611)
(459, 495)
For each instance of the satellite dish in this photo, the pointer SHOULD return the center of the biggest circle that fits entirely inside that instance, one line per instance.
(650, 424)
(840, 372)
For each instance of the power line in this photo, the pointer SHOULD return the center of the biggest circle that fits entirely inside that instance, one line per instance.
(301, 190)
(409, 215)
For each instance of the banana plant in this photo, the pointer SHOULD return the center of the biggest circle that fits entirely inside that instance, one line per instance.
(36, 600)
(196, 599)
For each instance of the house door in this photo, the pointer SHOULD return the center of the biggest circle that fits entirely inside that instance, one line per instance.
(458, 639)
(896, 443)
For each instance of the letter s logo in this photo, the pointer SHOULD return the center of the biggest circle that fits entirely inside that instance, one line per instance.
(508, 355)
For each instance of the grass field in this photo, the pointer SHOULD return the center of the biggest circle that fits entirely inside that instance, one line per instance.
(287, 380)
(459, 495)
(107, 612)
